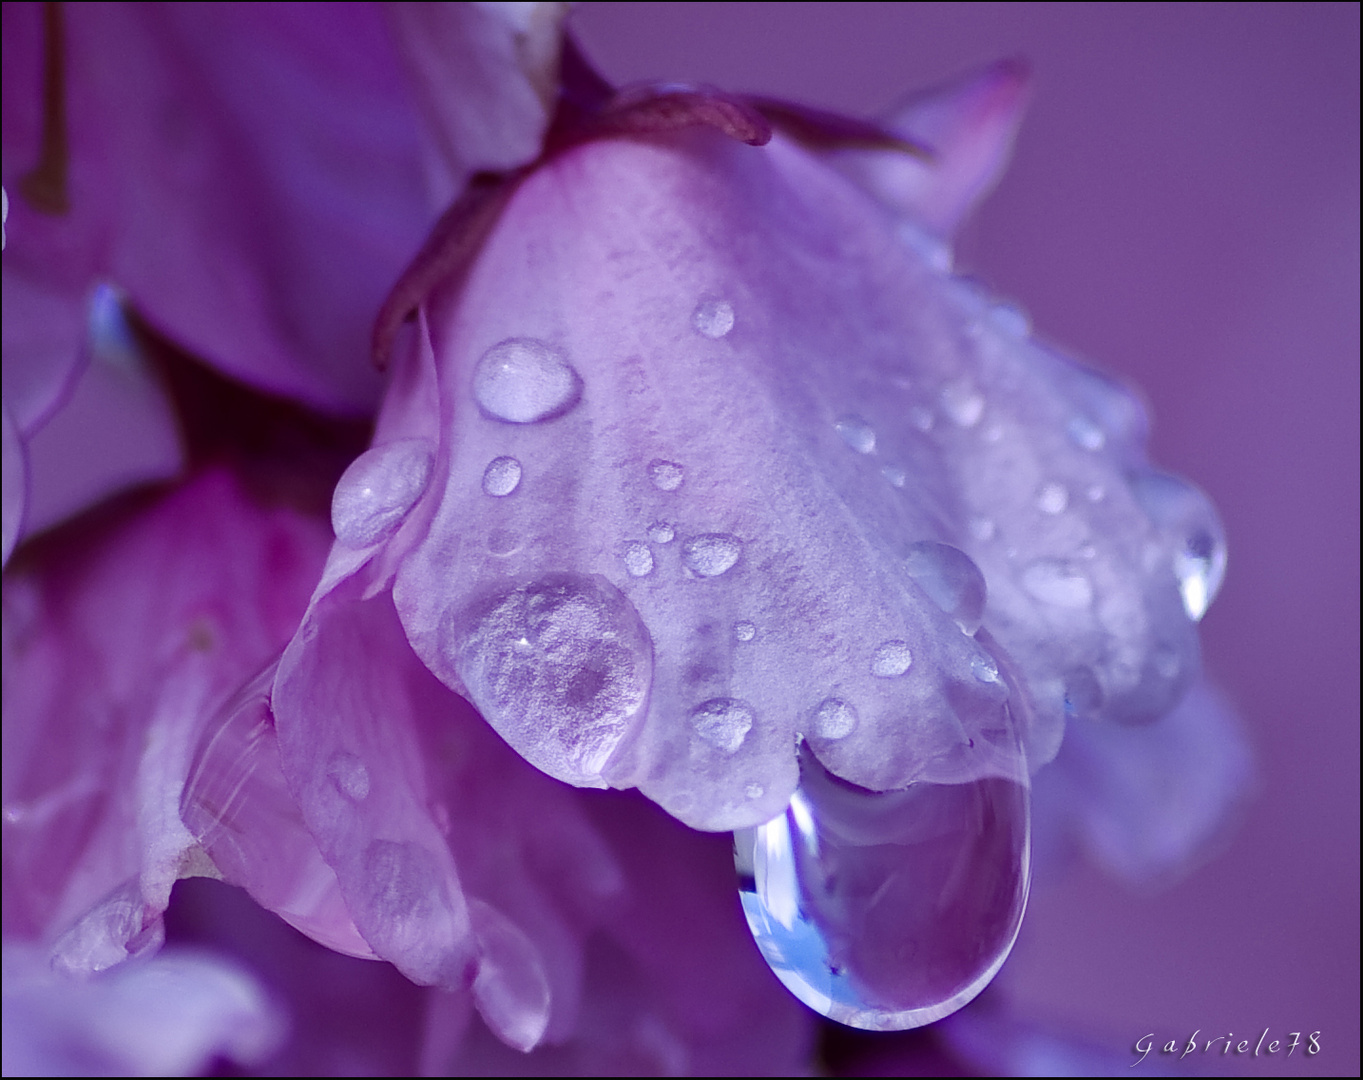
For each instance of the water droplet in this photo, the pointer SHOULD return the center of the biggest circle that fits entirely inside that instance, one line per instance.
(962, 404)
(1189, 522)
(378, 489)
(834, 719)
(348, 775)
(661, 532)
(723, 723)
(1052, 498)
(711, 554)
(744, 631)
(982, 528)
(1010, 319)
(524, 381)
(754, 791)
(888, 911)
(984, 669)
(951, 580)
(666, 475)
(638, 559)
(1085, 433)
(1054, 582)
(502, 476)
(713, 318)
(921, 418)
(1095, 493)
(895, 475)
(892, 658)
(856, 433)
(559, 667)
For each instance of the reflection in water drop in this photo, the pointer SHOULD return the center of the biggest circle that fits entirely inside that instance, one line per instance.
(378, 489)
(502, 476)
(856, 433)
(665, 475)
(638, 559)
(713, 318)
(524, 381)
(711, 554)
(892, 658)
(723, 723)
(888, 911)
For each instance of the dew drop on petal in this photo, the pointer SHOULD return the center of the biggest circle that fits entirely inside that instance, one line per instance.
(378, 489)
(895, 475)
(524, 381)
(502, 476)
(348, 775)
(984, 669)
(560, 667)
(856, 433)
(1057, 583)
(1084, 433)
(744, 630)
(665, 475)
(1186, 517)
(711, 554)
(834, 719)
(891, 658)
(962, 404)
(1095, 493)
(638, 559)
(713, 318)
(1052, 498)
(888, 911)
(950, 579)
(723, 722)
(661, 532)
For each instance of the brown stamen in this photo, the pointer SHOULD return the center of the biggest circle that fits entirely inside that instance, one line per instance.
(45, 186)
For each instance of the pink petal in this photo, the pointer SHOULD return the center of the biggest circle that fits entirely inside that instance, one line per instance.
(117, 652)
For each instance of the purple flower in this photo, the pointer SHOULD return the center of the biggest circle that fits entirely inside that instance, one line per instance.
(698, 472)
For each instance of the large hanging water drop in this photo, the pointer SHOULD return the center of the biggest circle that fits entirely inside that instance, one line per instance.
(378, 489)
(888, 911)
(523, 381)
(1188, 520)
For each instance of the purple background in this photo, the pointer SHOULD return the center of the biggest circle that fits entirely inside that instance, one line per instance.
(1182, 208)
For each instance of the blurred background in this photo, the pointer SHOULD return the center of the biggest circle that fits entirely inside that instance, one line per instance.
(1183, 210)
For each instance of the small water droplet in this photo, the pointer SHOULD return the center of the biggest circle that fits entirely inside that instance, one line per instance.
(982, 528)
(1054, 582)
(754, 791)
(666, 475)
(1084, 433)
(895, 475)
(723, 722)
(378, 489)
(638, 559)
(985, 669)
(711, 554)
(503, 542)
(502, 476)
(834, 719)
(891, 658)
(524, 381)
(921, 418)
(348, 775)
(744, 631)
(1010, 319)
(888, 911)
(962, 404)
(950, 579)
(560, 668)
(713, 318)
(661, 532)
(1095, 493)
(1052, 498)
(856, 433)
